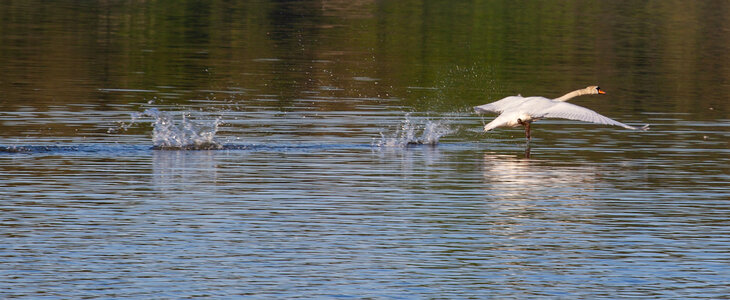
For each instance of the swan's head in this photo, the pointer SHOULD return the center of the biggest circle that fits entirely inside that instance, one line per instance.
(594, 89)
(591, 90)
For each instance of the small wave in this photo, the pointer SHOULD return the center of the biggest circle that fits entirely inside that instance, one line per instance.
(37, 149)
(415, 132)
(72, 149)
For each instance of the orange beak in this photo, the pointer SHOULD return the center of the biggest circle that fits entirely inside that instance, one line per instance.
(600, 91)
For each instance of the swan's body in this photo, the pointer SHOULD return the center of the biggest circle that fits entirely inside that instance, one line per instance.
(517, 110)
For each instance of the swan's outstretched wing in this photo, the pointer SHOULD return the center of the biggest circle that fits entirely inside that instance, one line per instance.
(564, 110)
(500, 105)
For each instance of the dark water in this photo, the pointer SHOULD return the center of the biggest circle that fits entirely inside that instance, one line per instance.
(328, 150)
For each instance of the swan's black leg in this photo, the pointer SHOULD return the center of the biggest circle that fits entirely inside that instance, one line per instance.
(527, 130)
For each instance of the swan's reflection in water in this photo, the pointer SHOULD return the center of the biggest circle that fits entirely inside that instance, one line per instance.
(532, 199)
(540, 216)
(511, 176)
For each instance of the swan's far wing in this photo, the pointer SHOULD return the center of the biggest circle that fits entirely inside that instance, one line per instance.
(500, 106)
(564, 110)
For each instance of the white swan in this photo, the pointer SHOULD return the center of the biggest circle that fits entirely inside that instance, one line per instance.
(517, 110)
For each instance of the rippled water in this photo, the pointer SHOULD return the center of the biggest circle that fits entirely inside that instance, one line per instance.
(325, 151)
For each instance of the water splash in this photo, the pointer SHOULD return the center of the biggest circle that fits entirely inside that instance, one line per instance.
(414, 131)
(169, 134)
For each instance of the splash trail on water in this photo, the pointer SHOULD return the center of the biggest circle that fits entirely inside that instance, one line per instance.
(178, 130)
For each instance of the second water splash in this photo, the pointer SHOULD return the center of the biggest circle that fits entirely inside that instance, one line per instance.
(415, 131)
(185, 134)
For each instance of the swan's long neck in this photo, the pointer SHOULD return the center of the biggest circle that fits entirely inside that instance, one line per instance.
(572, 95)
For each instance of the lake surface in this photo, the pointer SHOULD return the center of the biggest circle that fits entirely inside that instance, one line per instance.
(317, 149)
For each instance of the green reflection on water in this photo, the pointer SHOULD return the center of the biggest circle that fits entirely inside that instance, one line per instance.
(667, 56)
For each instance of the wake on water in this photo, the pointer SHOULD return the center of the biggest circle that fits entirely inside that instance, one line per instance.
(187, 134)
(170, 132)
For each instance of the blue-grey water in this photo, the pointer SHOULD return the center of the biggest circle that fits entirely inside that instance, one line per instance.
(317, 149)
